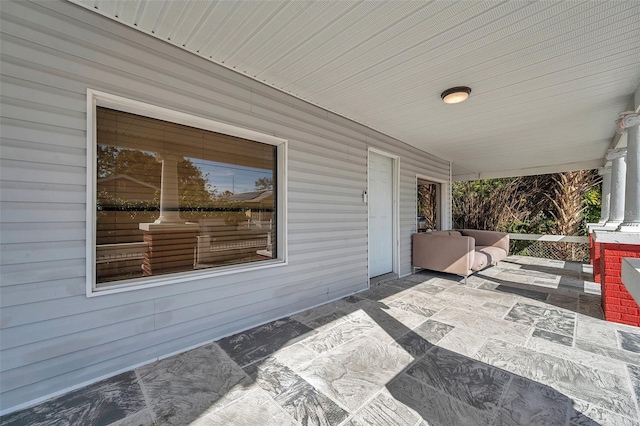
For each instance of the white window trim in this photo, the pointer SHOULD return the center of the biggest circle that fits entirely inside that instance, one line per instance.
(107, 100)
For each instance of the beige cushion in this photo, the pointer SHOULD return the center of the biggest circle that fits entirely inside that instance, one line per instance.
(480, 261)
(494, 254)
(488, 238)
(448, 233)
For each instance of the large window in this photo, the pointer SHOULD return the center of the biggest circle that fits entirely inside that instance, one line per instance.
(172, 198)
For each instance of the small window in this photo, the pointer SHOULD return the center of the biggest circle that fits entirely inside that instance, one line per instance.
(174, 199)
(429, 194)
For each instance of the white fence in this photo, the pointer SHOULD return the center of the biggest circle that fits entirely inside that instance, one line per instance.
(558, 247)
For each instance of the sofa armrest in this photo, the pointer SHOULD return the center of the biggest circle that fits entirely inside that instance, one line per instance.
(489, 238)
(444, 253)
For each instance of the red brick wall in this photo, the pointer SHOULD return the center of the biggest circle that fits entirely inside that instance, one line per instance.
(594, 256)
(617, 303)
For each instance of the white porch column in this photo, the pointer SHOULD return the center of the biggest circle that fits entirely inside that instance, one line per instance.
(169, 212)
(618, 178)
(631, 222)
(605, 172)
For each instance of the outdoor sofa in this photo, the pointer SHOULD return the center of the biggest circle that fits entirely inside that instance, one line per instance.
(460, 252)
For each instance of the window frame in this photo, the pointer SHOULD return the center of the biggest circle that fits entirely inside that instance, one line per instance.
(97, 98)
(442, 201)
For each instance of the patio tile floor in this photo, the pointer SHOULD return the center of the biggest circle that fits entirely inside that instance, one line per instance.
(521, 343)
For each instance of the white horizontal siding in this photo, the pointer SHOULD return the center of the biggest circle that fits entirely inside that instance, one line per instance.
(50, 289)
(41, 272)
(53, 336)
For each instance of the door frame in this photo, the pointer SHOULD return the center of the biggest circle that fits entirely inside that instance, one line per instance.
(444, 220)
(395, 175)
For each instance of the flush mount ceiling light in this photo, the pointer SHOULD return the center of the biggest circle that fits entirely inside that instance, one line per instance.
(455, 95)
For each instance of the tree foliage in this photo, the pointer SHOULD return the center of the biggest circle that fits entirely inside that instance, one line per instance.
(568, 200)
(264, 183)
(593, 204)
(198, 199)
(559, 203)
(193, 186)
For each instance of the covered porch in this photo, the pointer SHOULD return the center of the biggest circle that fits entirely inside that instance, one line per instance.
(523, 342)
(305, 337)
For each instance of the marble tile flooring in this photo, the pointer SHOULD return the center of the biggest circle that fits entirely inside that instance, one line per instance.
(521, 343)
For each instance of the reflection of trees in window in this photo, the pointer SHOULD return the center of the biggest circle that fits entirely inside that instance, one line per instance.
(199, 224)
(428, 204)
(136, 202)
(198, 198)
(193, 185)
(264, 183)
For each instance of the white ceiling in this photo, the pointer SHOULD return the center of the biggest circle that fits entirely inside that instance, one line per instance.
(548, 78)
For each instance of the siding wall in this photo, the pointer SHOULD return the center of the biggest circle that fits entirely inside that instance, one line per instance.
(53, 336)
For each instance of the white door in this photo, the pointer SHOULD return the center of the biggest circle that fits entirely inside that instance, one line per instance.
(380, 214)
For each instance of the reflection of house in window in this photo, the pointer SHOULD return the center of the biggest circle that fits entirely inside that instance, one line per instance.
(158, 208)
(260, 213)
(127, 188)
(258, 204)
(251, 225)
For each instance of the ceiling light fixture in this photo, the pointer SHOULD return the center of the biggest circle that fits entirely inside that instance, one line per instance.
(455, 95)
